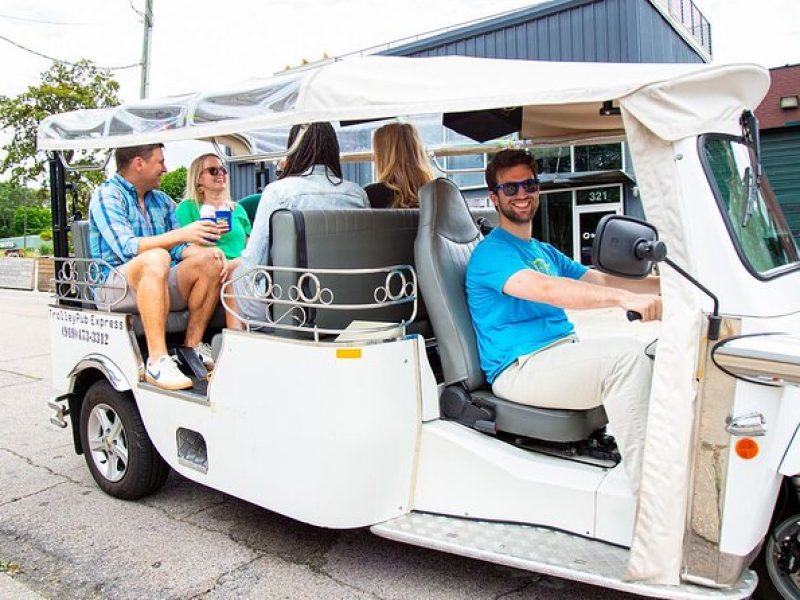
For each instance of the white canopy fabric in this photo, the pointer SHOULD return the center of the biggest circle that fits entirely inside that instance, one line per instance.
(382, 87)
(660, 104)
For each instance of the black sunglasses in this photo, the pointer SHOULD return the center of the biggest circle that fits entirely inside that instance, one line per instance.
(510, 188)
(214, 171)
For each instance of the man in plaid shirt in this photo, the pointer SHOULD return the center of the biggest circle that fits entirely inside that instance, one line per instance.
(132, 226)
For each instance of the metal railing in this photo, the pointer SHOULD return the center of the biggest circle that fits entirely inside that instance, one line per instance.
(307, 294)
(687, 13)
(89, 282)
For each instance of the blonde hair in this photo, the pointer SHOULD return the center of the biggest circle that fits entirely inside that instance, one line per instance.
(192, 189)
(400, 162)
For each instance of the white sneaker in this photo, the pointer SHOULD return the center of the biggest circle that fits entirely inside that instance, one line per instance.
(164, 373)
(203, 351)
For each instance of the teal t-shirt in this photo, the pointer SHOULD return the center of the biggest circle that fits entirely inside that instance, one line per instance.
(508, 327)
(250, 205)
(231, 243)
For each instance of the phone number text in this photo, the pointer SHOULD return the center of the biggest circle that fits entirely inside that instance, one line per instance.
(85, 335)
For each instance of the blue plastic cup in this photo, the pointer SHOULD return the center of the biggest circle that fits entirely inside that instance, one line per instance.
(224, 220)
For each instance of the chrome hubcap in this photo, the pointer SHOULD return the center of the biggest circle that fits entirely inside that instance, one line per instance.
(108, 443)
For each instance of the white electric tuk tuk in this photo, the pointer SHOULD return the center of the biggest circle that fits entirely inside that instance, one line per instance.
(357, 400)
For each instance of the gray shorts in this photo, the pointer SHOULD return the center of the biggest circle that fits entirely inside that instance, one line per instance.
(107, 295)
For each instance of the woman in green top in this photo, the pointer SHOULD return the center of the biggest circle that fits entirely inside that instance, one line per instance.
(207, 183)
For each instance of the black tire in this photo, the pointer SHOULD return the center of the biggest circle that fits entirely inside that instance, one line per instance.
(772, 585)
(117, 449)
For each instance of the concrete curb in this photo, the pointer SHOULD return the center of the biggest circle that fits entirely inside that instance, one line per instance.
(11, 589)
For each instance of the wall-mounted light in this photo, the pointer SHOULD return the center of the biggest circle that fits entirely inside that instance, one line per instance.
(788, 102)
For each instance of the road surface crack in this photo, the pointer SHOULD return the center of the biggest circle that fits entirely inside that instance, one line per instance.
(36, 493)
(220, 579)
(31, 463)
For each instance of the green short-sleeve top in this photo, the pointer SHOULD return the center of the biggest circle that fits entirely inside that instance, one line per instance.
(231, 243)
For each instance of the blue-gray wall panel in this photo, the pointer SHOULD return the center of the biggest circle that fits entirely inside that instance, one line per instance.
(658, 41)
(242, 179)
(566, 30)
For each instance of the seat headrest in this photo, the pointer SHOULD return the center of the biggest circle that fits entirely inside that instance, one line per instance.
(443, 208)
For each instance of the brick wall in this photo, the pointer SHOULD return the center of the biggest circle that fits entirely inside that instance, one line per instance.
(785, 82)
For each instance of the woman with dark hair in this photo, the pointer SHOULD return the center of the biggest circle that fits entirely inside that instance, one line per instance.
(317, 145)
(311, 178)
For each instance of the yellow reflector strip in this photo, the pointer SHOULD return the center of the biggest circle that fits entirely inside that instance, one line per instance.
(348, 353)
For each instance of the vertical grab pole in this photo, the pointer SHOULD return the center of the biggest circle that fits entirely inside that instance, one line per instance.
(58, 206)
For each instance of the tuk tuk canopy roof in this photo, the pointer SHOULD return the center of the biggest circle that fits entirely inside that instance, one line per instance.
(559, 101)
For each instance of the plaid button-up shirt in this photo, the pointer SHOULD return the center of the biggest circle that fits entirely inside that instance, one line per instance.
(116, 224)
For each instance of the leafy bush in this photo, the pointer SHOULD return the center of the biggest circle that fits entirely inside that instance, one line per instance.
(46, 250)
(173, 183)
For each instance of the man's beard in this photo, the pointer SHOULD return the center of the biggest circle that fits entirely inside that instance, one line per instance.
(508, 213)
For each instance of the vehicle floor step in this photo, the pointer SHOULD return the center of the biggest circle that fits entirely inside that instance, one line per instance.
(197, 393)
(542, 550)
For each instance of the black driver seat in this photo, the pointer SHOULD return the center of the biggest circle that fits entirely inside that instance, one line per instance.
(446, 237)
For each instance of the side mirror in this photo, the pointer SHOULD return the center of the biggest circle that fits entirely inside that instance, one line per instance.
(626, 247)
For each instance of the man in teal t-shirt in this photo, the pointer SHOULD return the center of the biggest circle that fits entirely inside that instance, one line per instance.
(250, 205)
(517, 290)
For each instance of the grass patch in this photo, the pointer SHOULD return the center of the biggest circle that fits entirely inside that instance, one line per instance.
(10, 567)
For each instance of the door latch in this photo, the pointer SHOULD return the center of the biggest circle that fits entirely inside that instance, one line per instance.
(751, 424)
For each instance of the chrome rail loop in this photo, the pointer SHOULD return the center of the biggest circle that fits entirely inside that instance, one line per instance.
(300, 301)
(92, 282)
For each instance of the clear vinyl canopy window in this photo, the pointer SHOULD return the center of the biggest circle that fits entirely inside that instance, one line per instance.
(750, 209)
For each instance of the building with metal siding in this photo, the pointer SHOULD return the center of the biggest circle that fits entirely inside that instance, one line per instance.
(779, 118)
(571, 30)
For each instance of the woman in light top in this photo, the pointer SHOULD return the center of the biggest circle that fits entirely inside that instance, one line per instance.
(400, 165)
(311, 178)
(207, 184)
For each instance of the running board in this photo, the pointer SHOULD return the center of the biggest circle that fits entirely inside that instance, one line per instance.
(544, 551)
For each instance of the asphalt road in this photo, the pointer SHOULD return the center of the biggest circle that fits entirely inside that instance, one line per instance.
(61, 537)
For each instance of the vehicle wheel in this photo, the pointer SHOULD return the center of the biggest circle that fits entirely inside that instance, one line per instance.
(117, 449)
(778, 563)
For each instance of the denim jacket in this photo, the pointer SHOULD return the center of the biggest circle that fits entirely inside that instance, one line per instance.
(311, 190)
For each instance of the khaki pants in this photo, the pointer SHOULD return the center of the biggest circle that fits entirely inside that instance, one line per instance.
(106, 296)
(579, 375)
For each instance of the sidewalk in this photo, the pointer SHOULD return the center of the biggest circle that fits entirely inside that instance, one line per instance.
(10, 589)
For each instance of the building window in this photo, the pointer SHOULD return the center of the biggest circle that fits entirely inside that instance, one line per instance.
(553, 221)
(469, 179)
(553, 160)
(598, 157)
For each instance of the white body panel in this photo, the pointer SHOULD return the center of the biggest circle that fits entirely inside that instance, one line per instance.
(289, 426)
(78, 334)
(753, 484)
(616, 508)
(789, 420)
(467, 474)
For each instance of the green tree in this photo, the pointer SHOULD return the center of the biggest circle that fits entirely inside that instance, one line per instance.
(62, 88)
(12, 198)
(29, 220)
(173, 183)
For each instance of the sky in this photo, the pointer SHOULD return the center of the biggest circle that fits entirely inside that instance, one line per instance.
(198, 44)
